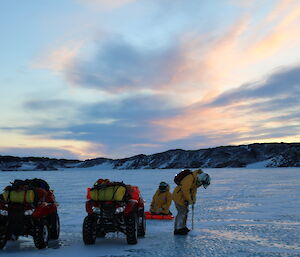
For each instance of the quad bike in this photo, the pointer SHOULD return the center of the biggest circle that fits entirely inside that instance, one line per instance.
(126, 216)
(37, 219)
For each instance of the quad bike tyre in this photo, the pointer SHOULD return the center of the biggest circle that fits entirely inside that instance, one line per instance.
(132, 229)
(3, 237)
(141, 225)
(100, 232)
(89, 232)
(54, 226)
(41, 235)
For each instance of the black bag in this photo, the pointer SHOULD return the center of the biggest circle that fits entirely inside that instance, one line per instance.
(181, 175)
(37, 182)
(17, 184)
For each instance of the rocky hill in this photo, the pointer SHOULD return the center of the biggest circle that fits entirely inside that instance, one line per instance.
(12, 163)
(263, 155)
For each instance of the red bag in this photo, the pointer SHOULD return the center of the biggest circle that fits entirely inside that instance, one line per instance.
(134, 193)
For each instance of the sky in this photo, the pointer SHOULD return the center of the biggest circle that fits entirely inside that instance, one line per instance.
(94, 78)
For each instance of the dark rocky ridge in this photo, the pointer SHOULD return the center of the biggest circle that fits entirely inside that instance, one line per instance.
(12, 163)
(272, 154)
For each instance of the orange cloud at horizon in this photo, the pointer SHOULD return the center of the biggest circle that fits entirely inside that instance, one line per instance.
(82, 149)
(203, 121)
(215, 123)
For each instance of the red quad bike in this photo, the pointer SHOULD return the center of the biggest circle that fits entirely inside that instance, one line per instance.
(124, 215)
(37, 218)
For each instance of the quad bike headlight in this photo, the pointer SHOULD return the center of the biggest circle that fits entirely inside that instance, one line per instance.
(3, 212)
(120, 209)
(28, 212)
(96, 210)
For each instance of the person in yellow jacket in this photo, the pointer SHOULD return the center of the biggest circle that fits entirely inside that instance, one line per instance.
(185, 194)
(161, 200)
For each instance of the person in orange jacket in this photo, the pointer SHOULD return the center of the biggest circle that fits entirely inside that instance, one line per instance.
(161, 200)
(184, 195)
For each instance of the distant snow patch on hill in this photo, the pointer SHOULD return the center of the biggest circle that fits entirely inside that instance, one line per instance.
(259, 165)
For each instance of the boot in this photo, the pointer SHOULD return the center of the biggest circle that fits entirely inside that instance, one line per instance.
(186, 229)
(181, 231)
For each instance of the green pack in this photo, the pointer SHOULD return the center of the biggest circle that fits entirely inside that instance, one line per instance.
(108, 193)
(16, 196)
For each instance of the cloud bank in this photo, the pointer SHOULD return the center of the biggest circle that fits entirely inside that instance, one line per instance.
(166, 83)
(117, 65)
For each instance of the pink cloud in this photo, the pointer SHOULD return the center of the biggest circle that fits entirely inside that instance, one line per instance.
(214, 63)
(58, 59)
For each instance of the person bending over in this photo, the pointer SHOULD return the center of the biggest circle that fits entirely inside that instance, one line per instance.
(185, 194)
